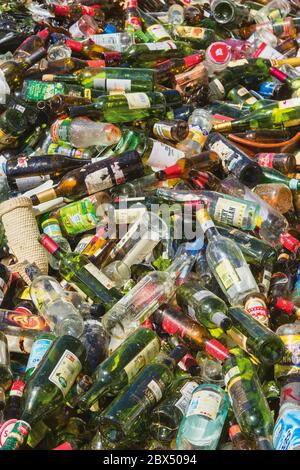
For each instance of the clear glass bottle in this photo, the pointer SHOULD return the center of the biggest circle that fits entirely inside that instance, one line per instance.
(203, 423)
(274, 10)
(200, 124)
(49, 298)
(227, 262)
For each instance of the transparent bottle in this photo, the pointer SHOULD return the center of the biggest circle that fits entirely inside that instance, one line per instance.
(143, 299)
(278, 195)
(227, 262)
(200, 125)
(203, 423)
(118, 42)
(49, 298)
(176, 14)
(274, 10)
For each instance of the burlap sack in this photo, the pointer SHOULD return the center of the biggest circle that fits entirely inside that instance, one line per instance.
(22, 235)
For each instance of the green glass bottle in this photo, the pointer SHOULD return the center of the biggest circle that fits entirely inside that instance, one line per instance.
(254, 337)
(109, 78)
(153, 52)
(154, 28)
(47, 388)
(77, 269)
(14, 71)
(265, 118)
(127, 416)
(113, 374)
(124, 107)
(249, 404)
(271, 175)
(256, 252)
(6, 376)
(203, 306)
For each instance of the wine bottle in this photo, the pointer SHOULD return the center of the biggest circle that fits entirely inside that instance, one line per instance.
(30, 45)
(77, 269)
(227, 262)
(115, 372)
(143, 299)
(47, 388)
(283, 162)
(123, 107)
(174, 322)
(154, 28)
(254, 337)
(48, 297)
(14, 71)
(153, 52)
(6, 376)
(249, 404)
(12, 409)
(235, 160)
(126, 417)
(274, 176)
(39, 348)
(97, 176)
(110, 78)
(203, 306)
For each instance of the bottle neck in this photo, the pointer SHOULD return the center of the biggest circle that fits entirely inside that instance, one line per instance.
(176, 267)
(16, 438)
(52, 247)
(175, 356)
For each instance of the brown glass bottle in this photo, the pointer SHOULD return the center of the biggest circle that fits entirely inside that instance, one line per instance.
(283, 162)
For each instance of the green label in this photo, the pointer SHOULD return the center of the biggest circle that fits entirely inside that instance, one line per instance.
(61, 130)
(37, 90)
(79, 217)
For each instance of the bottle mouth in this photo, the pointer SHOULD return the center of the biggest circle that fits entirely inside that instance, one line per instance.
(221, 320)
(224, 12)
(269, 354)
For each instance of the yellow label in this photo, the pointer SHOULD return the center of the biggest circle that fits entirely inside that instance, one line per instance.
(87, 93)
(230, 212)
(292, 122)
(227, 273)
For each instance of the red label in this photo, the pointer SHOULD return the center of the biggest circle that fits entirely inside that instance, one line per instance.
(130, 4)
(258, 312)
(217, 350)
(5, 429)
(64, 446)
(134, 21)
(219, 52)
(74, 45)
(170, 326)
(289, 242)
(266, 159)
(91, 11)
(17, 388)
(96, 63)
(259, 50)
(61, 10)
(22, 162)
(25, 321)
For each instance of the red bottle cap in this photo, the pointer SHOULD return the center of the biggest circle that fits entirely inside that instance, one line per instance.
(48, 243)
(193, 59)
(76, 46)
(286, 305)
(289, 242)
(278, 74)
(64, 446)
(173, 171)
(61, 10)
(217, 350)
(219, 52)
(90, 11)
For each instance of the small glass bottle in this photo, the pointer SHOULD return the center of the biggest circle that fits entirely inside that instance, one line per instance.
(200, 125)
(51, 227)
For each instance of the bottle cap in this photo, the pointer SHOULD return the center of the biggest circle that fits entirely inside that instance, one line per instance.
(76, 46)
(219, 52)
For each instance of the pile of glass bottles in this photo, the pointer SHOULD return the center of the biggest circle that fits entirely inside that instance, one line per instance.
(150, 224)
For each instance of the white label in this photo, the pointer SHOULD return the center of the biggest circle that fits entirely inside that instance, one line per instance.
(205, 403)
(163, 155)
(110, 84)
(98, 180)
(161, 46)
(76, 31)
(155, 389)
(202, 294)
(230, 212)
(158, 31)
(242, 91)
(138, 101)
(231, 373)
(65, 372)
(142, 358)
(105, 39)
(129, 216)
(186, 395)
(237, 63)
(222, 150)
(5, 429)
(293, 103)
(97, 274)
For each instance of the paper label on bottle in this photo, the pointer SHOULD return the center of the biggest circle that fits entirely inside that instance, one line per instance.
(205, 403)
(17, 389)
(79, 216)
(157, 31)
(161, 46)
(202, 294)
(156, 390)
(98, 181)
(137, 100)
(162, 130)
(233, 372)
(149, 352)
(230, 212)
(52, 230)
(290, 363)
(227, 274)
(266, 160)
(186, 394)
(76, 32)
(110, 84)
(292, 103)
(129, 216)
(242, 91)
(39, 349)
(223, 150)
(163, 155)
(5, 430)
(238, 63)
(97, 274)
(65, 372)
(257, 308)
(238, 338)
